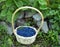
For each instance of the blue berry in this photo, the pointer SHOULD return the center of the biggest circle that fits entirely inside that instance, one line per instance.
(26, 32)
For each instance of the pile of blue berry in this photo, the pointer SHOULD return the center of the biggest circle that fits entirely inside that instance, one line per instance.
(26, 32)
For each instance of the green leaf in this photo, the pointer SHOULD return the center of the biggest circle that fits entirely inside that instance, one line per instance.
(25, 3)
(59, 6)
(50, 13)
(9, 3)
(2, 0)
(18, 3)
(35, 4)
(9, 16)
(3, 6)
(10, 41)
(43, 7)
(3, 14)
(54, 5)
(53, 12)
(27, 24)
(42, 2)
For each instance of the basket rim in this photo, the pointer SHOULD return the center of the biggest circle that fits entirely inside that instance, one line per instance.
(23, 36)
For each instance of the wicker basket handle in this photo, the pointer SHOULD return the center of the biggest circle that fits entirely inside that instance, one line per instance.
(28, 7)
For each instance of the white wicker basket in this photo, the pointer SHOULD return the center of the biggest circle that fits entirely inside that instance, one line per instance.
(26, 40)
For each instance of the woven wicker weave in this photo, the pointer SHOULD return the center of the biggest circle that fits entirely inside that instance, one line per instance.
(26, 40)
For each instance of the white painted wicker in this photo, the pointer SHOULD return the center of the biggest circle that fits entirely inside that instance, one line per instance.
(26, 40)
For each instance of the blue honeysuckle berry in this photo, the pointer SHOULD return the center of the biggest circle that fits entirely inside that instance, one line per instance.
(26, 32)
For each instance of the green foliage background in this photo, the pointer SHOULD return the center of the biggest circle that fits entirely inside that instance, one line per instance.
(49, 8)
